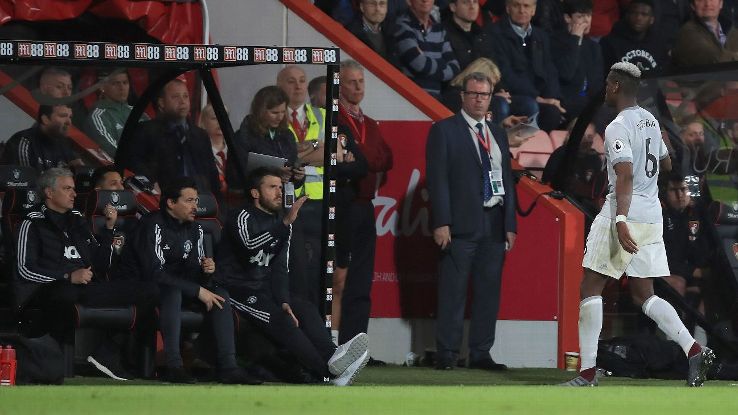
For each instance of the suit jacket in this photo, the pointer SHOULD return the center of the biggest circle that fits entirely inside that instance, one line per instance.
(454, 174)
(158, 153)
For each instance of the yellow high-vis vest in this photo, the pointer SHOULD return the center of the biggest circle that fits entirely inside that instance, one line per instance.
(316, 129)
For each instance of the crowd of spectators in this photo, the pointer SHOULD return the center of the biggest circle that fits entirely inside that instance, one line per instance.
(553, 54)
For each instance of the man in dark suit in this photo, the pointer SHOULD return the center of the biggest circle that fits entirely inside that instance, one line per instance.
(472, 195)
(171, 146)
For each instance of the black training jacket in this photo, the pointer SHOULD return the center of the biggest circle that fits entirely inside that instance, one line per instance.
(51, 245)
(165, 251)
(254, 253)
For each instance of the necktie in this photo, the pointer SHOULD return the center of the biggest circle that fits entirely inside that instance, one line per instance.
(220, 163)
(299, 131)
(486, 166)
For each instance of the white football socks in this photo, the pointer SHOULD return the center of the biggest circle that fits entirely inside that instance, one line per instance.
(669, 322)
(590, 325)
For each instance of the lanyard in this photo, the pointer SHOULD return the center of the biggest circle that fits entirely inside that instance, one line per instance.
(483, 141)
(350, 119)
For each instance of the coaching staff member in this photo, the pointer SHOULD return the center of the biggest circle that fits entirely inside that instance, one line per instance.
(472, 197)
(168, 248)
(255, 252)
(61, 263)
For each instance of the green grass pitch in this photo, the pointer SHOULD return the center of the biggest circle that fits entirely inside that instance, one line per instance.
(387, 390)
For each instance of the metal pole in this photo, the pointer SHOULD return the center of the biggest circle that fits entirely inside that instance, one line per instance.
(328, 240)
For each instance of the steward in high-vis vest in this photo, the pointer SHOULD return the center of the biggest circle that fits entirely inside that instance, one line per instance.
(309, 137)
(307, 124)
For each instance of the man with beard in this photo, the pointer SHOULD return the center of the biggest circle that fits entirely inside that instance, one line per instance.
(171, 145)
(255, 254)
(633, 39)
(45, 145)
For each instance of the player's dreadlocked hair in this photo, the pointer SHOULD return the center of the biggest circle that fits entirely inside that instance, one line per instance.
(627, 76)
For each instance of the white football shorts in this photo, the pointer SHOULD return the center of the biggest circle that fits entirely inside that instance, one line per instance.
(604, 254)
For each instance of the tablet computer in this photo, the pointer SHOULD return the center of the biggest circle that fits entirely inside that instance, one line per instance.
(257, 160)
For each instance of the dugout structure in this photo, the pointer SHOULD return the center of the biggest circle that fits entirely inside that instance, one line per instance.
(170, 62)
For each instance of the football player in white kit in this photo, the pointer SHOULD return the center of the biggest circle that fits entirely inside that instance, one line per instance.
(626, 237)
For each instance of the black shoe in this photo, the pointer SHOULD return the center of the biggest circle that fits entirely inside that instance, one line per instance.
(487, 364)
(375, 362)
(238, 376)
(178, 375)
(445, 364)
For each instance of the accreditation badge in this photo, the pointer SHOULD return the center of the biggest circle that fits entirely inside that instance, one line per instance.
(495, 178)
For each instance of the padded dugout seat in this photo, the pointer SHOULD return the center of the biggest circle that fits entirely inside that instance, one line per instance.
(208, 216)
(124, 201)
(82, 186)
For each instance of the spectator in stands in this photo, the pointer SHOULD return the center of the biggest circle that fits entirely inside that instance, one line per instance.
(110, 113)
(373, 28)
(355, 251)
(46, 144)
(524, 55)
(635, 39)
(209, 122)
(170, 146)
(422, 48)
(578, 58)
(467, 39)
(316, 91)
(168, 249)
(56, 83)
(256, 248)
(307, 124)
(704, 39)
(60, 263)
(478, 216)
(107, 178)
(502, 103)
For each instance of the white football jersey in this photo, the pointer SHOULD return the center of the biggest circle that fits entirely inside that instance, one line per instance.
(634, 136)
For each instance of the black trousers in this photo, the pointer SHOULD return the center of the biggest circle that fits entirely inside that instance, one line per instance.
(356, 302)
(481, 256)
(310, 226)
(220, 321)
(309, 342)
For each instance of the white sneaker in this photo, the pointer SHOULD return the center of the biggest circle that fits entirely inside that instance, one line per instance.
(347, 377)
(348, 353)
(106, 369)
